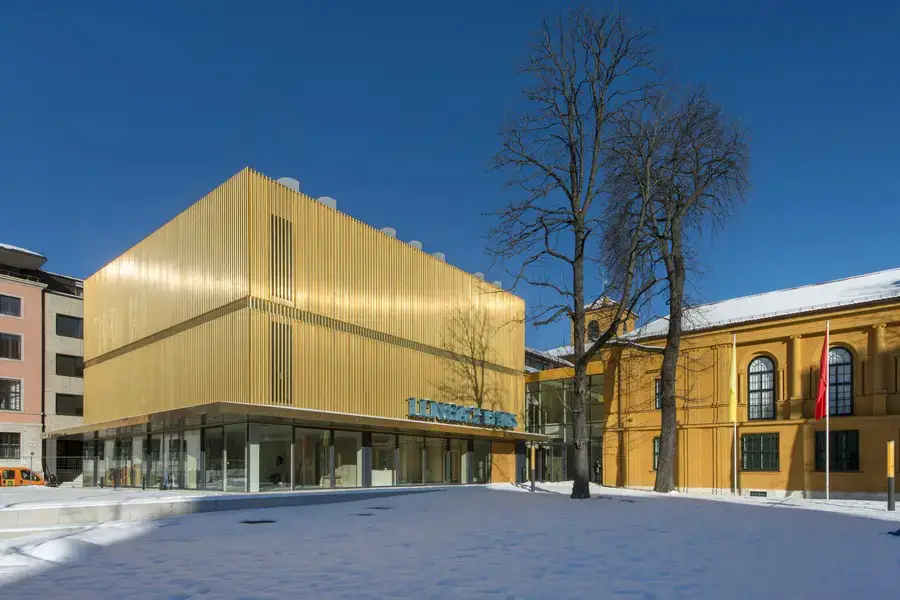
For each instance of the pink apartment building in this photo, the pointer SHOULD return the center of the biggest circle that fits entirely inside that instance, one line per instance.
(40, 327)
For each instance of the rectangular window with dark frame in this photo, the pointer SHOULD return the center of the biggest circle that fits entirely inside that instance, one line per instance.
(282, 361)
(10, 444)
(10, 306)
(844, 450)
(11, 346)
(281, 254)
(759, 452)
(655, 452)
(70, 405)
(10, 394)
(69, 366)
(67, 326)
(657, 393)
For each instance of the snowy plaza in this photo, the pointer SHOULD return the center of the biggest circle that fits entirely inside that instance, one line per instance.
(474, 542)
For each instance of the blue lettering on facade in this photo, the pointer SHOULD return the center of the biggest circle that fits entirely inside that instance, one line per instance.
(454, 413)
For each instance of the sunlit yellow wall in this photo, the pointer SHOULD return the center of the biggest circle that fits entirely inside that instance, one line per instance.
(203, 364)
(705, 436)
(367, 313)
(338, 371)
(353, 273)
(193, 264)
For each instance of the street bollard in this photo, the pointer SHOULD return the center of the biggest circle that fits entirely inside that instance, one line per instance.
(532, 467)
(890, 475)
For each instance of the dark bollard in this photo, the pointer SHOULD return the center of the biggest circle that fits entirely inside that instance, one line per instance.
(890, 475)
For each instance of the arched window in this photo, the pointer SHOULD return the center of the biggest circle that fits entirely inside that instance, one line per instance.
(840, 381)
(761, 397)
(593, 331)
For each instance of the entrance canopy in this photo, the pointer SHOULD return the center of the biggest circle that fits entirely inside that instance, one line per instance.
(223, 412)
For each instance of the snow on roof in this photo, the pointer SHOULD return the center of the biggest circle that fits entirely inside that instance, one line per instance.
(873, 287)
(78, 282)
(560, 352)
(549, 355)
(22, 250)
(20, 258)
(882, 285)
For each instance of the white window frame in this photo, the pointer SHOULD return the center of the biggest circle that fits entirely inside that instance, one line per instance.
(19, 433)
(21, 306)
(21, 395)
(21, 347)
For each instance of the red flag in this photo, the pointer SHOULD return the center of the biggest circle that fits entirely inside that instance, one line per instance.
(822, 396)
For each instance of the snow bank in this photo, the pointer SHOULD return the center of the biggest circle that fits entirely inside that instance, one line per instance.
(62, 550)
(872, 509)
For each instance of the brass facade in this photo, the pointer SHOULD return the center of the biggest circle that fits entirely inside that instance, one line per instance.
(258, 294)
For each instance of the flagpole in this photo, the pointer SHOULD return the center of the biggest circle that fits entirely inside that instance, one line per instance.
(827, 413)
(734, 418)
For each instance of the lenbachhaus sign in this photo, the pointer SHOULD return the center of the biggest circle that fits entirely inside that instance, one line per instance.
(465, 415)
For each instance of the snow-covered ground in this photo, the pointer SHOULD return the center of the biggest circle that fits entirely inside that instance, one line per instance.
(470, 543)
(861, 508)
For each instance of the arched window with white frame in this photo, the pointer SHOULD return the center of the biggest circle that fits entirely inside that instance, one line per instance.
(840, 381)
(761, 384)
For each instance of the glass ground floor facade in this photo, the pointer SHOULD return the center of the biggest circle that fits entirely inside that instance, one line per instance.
(261, 456)
(550, 412)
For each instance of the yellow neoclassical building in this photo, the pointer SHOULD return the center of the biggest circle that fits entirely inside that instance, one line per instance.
(781, 448)
(263, 339)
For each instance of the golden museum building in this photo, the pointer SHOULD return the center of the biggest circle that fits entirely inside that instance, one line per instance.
(263, 340)
(781, 447)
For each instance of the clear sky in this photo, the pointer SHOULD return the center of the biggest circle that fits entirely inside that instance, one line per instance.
(115, 116)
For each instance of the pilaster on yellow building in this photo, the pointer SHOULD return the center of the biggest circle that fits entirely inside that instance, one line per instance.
(781, 448)
(265, 340)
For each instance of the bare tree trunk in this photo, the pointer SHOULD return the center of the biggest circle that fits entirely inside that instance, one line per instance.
(581, 485)
(584, 71)
(675, 273)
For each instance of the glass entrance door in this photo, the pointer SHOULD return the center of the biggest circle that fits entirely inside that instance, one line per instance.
(213, 451)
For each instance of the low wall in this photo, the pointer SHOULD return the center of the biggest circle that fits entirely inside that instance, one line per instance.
(86, 513)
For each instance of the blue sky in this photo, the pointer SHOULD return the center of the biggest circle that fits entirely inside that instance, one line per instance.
(115, 116)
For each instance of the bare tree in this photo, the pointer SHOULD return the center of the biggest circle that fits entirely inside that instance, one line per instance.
(583, 71)
(468, 338)
(683, 157)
